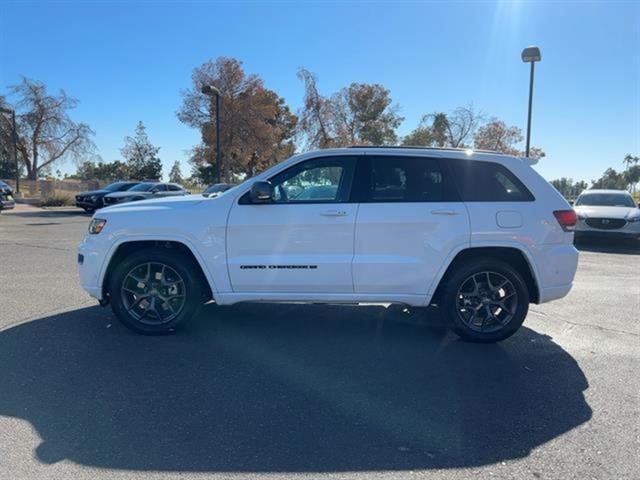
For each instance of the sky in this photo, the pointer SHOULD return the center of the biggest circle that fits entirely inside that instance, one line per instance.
(127, 61)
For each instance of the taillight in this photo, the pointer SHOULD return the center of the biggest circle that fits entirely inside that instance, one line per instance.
(566, 218)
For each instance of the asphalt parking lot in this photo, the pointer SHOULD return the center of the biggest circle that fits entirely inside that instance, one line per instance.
(310, 391)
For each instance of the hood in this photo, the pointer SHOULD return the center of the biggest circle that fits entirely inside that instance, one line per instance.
(92, 192)
(156, 204)
(591, 211)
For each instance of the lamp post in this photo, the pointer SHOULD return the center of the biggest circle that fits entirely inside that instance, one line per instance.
(211, 90)
(530, 55)
(14, 135)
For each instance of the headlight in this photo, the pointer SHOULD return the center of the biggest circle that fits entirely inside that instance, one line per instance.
(94, 197)
(582, 217)
(96, 225)
(634, 219)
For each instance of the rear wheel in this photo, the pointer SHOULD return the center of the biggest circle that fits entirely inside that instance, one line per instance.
(155, 291)
(486, 300)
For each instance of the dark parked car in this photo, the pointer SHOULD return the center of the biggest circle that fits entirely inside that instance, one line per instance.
(94, 199)
(217, 189)
(6, 197)
(144, 191)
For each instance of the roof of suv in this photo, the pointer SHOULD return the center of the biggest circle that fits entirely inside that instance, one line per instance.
(433, 151)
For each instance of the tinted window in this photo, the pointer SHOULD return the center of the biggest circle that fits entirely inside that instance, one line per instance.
(119, 186)
(402, 179)
(174, 188)
(487, 182)
(315, 181)
(142, 187)
(606, 200)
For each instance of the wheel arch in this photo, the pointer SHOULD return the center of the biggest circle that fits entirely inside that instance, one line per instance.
(128, 246)
(514, 256)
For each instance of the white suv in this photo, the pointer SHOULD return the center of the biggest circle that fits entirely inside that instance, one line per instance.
(479, 234)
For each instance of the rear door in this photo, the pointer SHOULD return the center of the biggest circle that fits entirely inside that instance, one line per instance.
(409, 220)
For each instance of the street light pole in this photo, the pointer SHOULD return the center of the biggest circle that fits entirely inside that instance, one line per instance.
(211, 90)
(14, 136)
(531, 55)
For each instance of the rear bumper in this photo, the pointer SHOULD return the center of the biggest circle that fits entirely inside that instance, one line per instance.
(556, 267)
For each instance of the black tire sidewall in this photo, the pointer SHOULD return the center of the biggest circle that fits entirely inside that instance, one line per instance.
(453, 285)
(182, 264)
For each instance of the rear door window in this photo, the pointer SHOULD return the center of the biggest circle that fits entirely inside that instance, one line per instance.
(386, 179)
(487, 182)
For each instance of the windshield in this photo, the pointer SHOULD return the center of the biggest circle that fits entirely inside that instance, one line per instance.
(142, 187)
(606, 200)
(118, 186)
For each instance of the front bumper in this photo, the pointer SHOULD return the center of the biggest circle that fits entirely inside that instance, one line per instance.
(629, 230)
(90, 204)
(7, 204)
(91, 255)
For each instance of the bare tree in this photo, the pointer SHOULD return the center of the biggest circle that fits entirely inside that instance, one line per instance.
(461, 125)
(46, 132)
(316, 114)
(439, 129)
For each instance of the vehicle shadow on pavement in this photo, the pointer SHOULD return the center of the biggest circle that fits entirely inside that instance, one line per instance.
(285, 388)
(42, 213)
(620, 246)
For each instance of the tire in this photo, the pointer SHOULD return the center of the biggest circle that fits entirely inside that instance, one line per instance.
(486, 300)
(155, 291)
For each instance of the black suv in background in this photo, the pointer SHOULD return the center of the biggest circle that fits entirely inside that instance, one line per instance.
(6, 197)
(93, 200)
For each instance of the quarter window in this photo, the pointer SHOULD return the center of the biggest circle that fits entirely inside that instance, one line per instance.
(487, 182)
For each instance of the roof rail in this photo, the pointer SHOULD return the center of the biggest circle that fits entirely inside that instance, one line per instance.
(417, 147)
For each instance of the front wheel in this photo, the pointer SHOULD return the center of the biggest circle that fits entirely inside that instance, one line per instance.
(155, 291)
(486, 300)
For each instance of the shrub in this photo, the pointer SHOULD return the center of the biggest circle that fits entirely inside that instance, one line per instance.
(57, 201)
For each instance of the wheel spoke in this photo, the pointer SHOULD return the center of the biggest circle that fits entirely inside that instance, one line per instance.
(160, 308)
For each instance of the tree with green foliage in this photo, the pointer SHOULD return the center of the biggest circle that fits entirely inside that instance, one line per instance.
(362, 113)
(103, 171)
(568, 188)
(141, 156)
(175, 175)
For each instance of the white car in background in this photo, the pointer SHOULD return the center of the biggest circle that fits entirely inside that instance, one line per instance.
(608, 214)
(482, 235)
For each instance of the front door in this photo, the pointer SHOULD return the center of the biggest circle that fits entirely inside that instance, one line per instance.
(302, 241)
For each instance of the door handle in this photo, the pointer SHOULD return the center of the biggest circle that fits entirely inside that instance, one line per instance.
(450, 213)
(334, 213)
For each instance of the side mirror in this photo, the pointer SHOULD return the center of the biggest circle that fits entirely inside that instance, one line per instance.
(261, 192)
